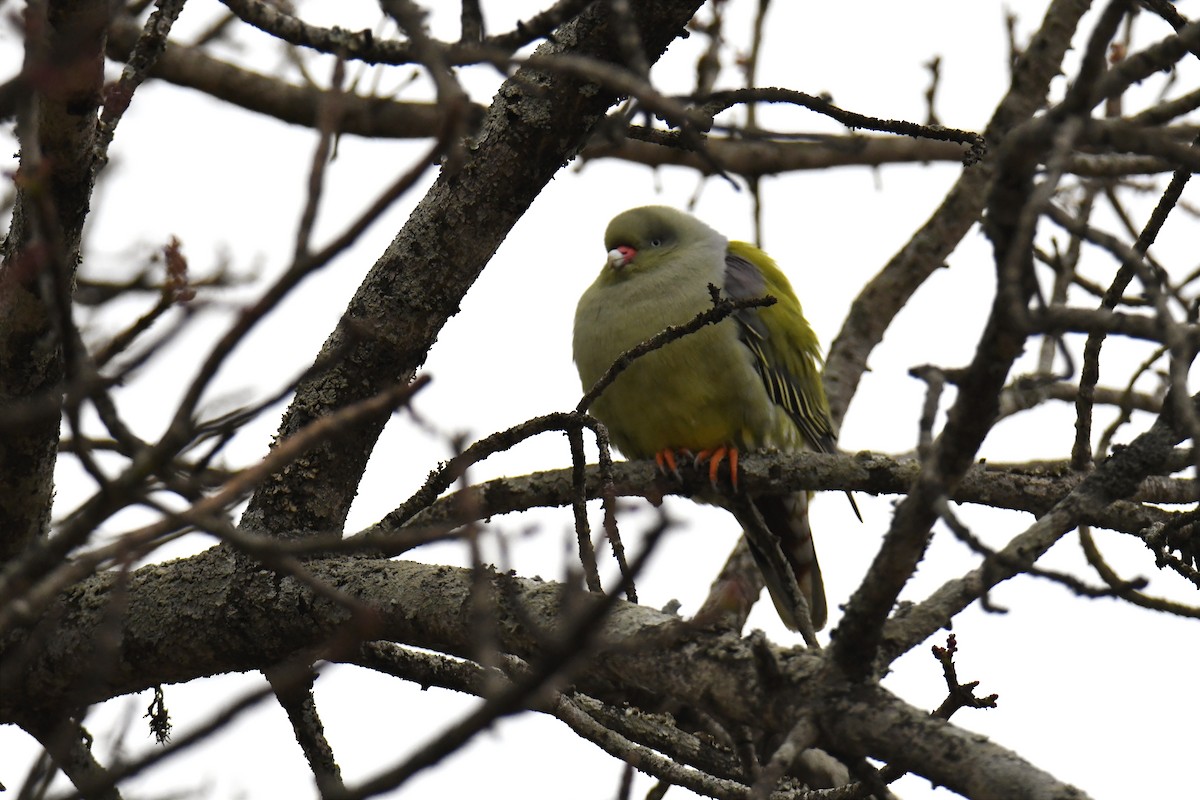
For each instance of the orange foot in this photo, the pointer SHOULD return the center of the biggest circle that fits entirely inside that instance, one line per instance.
(667, 464)
(665, 459)
(714, 457)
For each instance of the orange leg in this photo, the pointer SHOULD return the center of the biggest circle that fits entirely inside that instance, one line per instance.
(666, 462)
(714, 457)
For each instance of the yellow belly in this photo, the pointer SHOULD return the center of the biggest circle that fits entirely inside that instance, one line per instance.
(697, 393)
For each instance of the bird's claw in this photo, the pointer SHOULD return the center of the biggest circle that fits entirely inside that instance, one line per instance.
(714, 457)
(668, 465)
(665, 459)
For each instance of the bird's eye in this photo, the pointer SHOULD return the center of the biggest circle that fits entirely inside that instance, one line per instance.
(656, 242)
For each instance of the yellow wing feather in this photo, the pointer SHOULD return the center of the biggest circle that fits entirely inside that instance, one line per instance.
(786, 352)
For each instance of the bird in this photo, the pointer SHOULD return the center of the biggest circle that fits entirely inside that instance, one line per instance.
(749, 382)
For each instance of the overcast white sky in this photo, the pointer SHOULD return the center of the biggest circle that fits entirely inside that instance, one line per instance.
(1089, 690)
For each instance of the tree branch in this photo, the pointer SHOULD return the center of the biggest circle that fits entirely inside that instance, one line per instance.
(420, 280)
(241, 619)
(889, 291)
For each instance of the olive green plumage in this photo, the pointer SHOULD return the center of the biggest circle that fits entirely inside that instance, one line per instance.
(751, 381)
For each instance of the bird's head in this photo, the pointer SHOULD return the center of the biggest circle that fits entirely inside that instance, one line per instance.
(642, 239)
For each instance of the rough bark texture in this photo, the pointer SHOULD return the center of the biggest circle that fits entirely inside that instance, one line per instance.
(84, 626)
(40, 254)
(214, 614)
(536, 124)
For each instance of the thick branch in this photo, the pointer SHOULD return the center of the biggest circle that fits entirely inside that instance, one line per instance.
(869, 721)
(210, 615)
(537, 122)
(1033, 488)
(64, 63)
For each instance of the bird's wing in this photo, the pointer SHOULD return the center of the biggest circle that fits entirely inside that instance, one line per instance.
(786, 352)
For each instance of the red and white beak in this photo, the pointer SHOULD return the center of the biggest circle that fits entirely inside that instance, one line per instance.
(620, 256)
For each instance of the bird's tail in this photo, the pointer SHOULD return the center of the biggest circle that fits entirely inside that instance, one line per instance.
(786, 520)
